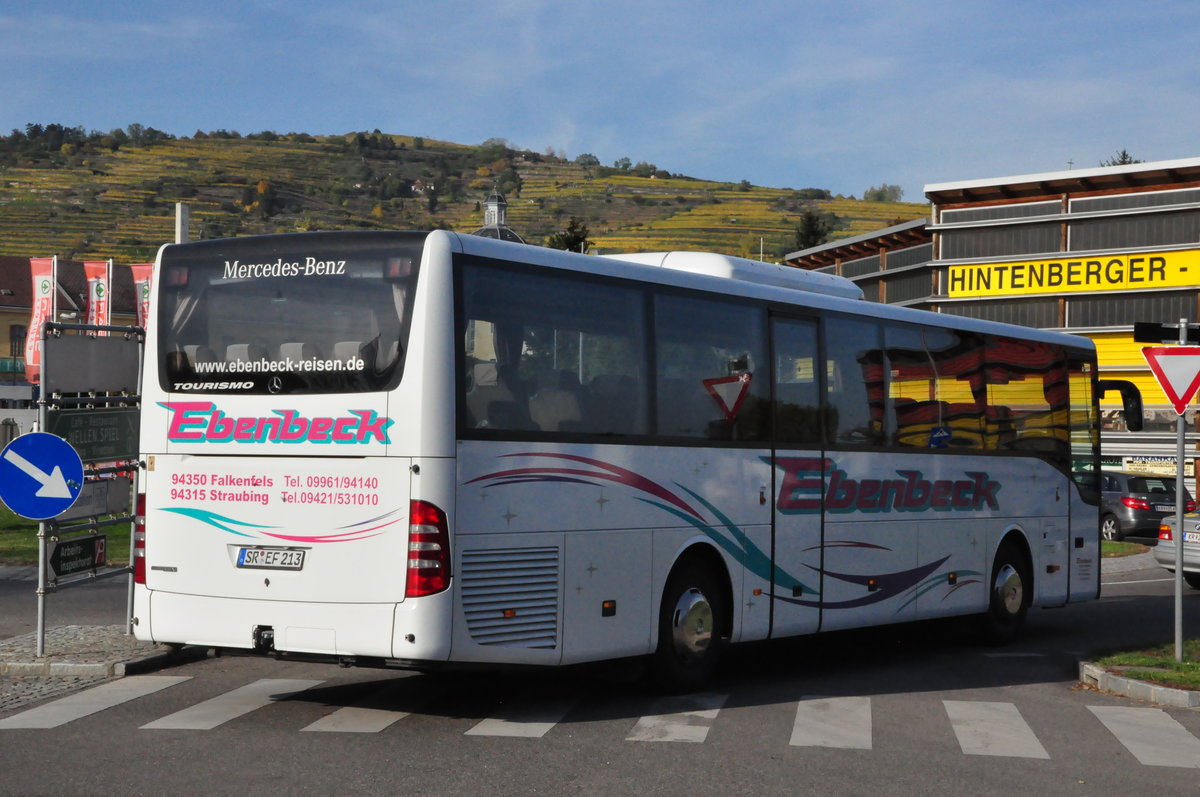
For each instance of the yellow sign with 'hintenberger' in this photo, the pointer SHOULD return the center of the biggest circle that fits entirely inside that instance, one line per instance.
(1143, 270)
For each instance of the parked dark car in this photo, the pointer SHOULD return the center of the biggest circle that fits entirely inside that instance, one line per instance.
(1136, 503)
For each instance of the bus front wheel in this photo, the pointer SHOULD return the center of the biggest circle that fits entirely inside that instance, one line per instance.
(691, 628)
(1010, 590)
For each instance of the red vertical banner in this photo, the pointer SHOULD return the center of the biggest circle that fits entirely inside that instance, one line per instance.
(99, 285)
(45, 277)
(141, 290)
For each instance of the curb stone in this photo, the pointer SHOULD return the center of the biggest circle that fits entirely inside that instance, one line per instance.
(1093, 675)
(87, 652)
(77, 657)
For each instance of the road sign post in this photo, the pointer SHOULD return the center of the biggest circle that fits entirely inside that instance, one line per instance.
(1177, 369)
(90, 395)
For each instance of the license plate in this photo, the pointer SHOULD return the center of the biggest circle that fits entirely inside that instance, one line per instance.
(1164, 507)
(1191, 536)
(270, 558)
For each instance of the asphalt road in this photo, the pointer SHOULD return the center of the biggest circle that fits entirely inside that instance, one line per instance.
(910, 710)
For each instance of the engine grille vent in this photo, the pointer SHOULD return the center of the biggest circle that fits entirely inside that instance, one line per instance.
(510, 596)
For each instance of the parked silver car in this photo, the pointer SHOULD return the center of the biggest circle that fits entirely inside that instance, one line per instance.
(1164, 552)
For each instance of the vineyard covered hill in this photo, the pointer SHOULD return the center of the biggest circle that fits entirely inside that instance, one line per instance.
(92, 197)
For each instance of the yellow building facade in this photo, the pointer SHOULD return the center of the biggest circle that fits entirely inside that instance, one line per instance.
(1086, 251)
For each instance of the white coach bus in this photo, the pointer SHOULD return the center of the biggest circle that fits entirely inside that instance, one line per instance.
(421, 449)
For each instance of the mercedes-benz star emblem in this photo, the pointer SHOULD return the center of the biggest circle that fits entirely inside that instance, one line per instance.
(275, 385)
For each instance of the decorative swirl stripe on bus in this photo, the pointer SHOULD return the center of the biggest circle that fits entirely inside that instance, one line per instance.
(259, 531)
(725, 533)
(203, 422)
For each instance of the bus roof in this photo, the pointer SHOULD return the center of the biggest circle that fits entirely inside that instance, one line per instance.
(748, 271)
(717, 273)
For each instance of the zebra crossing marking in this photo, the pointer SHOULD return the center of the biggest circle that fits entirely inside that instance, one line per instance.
(995, 729)
(686, 718)
(840, 722)
(1151, 735)
(530, 716)
(91, 701)
(1154, 737)
(231, 705)
(365, 714)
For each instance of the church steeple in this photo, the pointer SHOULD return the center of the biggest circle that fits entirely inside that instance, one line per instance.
(495, 210)
(495, 219)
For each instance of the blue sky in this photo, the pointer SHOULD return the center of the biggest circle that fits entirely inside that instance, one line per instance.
(841, 95)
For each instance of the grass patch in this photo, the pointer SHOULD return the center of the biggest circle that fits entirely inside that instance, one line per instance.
(19, 541)
(1157, 665)
(1111, 549)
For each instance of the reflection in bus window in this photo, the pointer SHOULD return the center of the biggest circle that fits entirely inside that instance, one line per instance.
(552, 354)
(1029, 379)
(855, 383)
(913, 417)
(961, 400)
(708, 357)
(798, 416)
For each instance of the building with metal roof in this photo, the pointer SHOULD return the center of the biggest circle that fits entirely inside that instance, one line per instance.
(1088, 251)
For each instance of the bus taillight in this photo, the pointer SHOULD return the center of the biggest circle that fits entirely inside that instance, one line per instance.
(428, 550)
(139, 540)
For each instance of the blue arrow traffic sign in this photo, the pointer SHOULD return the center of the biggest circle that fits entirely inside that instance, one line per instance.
(40, 475)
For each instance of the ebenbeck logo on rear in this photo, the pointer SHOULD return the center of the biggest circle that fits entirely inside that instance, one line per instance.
(204, 422)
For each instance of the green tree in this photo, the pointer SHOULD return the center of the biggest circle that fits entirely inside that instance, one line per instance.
(1121, 158)
(572, 239)
(644, 169)
(884, 193)
(587, 159)
(813, 230)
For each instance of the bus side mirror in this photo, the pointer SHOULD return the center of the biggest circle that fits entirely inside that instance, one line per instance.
(1131, 400)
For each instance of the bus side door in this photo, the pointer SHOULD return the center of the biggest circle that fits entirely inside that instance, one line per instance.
(799, 478)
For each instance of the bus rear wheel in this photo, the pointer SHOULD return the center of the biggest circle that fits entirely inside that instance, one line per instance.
(1011, 589)
(691, 628)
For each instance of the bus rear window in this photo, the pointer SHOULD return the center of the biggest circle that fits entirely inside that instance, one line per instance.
(280, 314)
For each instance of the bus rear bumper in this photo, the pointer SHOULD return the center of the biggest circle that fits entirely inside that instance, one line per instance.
(320, 629)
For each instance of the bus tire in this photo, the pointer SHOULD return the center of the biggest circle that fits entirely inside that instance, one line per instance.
(692, 625)
(1010, 591)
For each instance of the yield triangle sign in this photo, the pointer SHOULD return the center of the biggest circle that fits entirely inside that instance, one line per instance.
(1177, 369)
(729, 392)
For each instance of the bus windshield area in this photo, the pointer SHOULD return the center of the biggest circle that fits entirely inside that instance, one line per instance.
(258, 315)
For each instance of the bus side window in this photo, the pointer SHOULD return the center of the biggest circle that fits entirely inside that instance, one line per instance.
(709, 358)
(798, 416)
(911, 393)
(490, 402)
(556, 401)
(613, 405)
(854, 358)
(964, 419)
(1030, 379)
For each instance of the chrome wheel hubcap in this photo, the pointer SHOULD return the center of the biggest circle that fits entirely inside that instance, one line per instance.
(692, 624)
(1009, 590)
